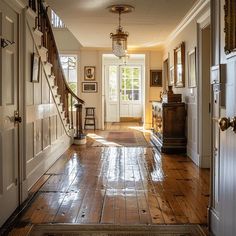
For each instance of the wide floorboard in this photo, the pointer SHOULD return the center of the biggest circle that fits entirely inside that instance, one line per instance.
(120, 185)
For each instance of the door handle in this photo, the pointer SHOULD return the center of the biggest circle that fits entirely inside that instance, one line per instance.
(17, 118)
(226, 122)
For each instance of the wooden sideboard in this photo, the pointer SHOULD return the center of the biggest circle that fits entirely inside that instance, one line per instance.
(168, 122)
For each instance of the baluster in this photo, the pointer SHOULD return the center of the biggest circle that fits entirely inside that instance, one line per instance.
(71, 107)
(80, 121)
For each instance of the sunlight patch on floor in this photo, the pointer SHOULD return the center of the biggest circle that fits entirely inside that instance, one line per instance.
(140, 128)
(102, 140)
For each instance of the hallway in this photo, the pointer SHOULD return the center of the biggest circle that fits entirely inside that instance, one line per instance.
(119, 185)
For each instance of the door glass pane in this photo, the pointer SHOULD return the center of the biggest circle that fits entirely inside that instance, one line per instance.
(113, 86)
(136, 94)
(130, 83)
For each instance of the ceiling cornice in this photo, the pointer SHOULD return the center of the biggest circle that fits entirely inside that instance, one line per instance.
(194, 11)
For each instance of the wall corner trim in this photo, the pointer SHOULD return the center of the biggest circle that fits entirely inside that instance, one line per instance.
(187, 19)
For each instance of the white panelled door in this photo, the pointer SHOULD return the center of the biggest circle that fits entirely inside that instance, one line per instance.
(130, 87)
(8, 108)
(112, 94)
(123, 92)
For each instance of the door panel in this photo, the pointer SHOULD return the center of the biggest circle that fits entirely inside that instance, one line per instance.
(8, 106)
(112, 94)
(131, 92)
(228, 160)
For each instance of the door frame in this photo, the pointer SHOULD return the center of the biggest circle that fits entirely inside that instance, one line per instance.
(202, 23)
(143, 84)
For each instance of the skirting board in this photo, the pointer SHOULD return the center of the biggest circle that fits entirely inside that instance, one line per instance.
(193, 156)
(214, 222)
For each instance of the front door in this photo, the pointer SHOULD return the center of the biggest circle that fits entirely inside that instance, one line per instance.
(9, 192)
(130, 88)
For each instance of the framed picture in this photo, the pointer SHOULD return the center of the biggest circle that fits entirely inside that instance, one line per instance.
(172, 76)
(89, 73)
(230, 26)
(192, 82)
(179, 65)
(166, 71)
(35, 68)
(155, 78)
(89, 87)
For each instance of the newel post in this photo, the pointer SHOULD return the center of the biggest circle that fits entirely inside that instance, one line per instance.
(79, 138)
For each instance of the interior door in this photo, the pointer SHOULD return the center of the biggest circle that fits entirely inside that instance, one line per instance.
(8, 109)
(130, 89)
(112, 94)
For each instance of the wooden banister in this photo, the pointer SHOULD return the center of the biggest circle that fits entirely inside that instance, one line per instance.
(68, 97)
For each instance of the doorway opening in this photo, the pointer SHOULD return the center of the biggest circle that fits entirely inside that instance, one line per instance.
(205, 98)
(123, 88)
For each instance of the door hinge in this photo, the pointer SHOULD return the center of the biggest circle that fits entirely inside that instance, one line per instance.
(209, 107)
(16, 181)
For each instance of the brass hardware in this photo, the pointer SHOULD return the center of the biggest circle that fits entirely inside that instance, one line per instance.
(17, 118)
(225, 123)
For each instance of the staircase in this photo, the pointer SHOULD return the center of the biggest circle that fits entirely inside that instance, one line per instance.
(63, 96)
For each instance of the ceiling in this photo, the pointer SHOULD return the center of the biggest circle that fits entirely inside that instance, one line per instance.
(148, 26)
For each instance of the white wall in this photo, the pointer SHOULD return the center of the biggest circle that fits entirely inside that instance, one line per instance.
(93, 57)
(189, 95)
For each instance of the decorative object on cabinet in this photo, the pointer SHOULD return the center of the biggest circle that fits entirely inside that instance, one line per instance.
(168, 121)
(35, 68)
(192, 76)
(171, 97)
(179, 65)
(89, 73)
(155, 78)
(89, 87)
(230, 25)
(172, 77)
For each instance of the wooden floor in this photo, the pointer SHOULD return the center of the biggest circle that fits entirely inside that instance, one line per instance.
(119, 185)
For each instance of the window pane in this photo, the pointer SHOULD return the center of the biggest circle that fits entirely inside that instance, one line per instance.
(136, 84)
(69, 65)
(136, 95)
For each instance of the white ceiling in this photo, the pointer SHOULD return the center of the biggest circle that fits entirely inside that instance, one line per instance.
(148, 26)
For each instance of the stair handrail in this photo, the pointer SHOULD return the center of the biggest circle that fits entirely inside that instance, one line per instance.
(43, 23)
(57, 53)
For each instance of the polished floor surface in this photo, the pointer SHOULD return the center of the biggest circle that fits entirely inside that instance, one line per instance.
(120, 185)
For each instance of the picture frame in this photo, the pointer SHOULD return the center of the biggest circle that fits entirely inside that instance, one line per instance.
(35, 68)
(155, 78)
(166, 71)
(89, 73)
(171, 77)
(89, 87)
(192, 72)
(179, 65)
(230, 25)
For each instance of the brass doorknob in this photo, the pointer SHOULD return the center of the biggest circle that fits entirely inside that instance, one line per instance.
(225, 123)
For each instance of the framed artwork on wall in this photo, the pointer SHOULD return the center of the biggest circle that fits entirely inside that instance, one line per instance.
(171, 77)
(89, 87)
(89, 73)
(35, 68)
(166, 73)
(155, 78)
(179, 65)
(192, 78)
